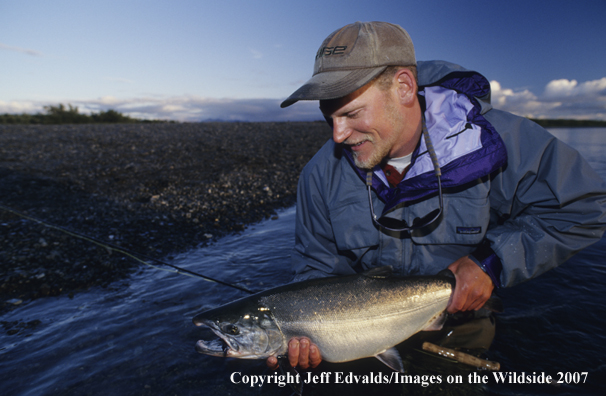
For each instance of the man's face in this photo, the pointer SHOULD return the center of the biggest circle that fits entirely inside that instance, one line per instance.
(369, 122)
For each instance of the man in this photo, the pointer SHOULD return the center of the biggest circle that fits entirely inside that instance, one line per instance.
(425, 175)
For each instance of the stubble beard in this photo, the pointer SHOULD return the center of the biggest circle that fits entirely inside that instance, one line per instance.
(375, 158)
(380, 151)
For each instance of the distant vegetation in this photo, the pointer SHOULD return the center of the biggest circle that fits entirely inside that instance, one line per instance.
(68, 115)
(561, 123)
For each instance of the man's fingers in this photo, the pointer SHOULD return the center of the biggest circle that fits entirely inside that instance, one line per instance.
(467, 299)
(272, 362)
(477, 300)
(293, 352)
(456, 304)
(304, 353)
(315, 358)
(301, 352)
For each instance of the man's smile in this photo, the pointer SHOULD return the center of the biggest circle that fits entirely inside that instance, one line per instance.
(358, 145)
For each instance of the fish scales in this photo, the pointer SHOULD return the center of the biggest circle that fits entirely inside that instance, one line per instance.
(348, 317)
(372, 313)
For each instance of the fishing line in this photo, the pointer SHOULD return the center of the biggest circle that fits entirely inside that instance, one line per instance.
(126, 252)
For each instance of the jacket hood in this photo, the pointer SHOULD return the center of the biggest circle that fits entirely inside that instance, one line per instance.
(453, 76)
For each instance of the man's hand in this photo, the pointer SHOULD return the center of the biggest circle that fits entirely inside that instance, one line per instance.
(473, 288)
(301, 352)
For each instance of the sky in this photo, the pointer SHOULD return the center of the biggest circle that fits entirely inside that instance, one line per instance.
(237, 59)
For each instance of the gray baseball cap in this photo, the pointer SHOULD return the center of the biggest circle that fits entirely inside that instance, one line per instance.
(352, 56)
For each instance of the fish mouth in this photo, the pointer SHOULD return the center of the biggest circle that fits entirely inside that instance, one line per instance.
(216, 347)
(221, 346)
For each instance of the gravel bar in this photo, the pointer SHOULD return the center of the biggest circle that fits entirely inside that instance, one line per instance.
(156, 189)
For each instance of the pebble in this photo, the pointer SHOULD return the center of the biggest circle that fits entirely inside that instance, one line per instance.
(157, 189)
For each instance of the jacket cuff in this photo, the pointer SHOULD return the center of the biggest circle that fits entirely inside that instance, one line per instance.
(490, 263)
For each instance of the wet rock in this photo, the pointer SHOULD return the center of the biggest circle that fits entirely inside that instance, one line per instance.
(157, 189)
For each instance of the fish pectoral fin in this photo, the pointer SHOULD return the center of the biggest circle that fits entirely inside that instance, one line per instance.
(392, 359)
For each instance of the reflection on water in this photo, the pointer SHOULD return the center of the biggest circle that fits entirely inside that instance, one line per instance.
(589, 141)
(137, 337)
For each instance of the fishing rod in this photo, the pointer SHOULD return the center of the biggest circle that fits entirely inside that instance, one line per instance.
(136, 256)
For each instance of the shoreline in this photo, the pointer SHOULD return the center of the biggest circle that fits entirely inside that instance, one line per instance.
(154, 189)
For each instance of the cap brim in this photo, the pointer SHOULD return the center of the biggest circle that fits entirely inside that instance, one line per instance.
(333, 84)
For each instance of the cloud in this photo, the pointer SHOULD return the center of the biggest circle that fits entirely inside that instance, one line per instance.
(503, 97)
(560, 99)
(22, 50)
(522, 102)
(564, 89)
(15, 107)
(183, 108)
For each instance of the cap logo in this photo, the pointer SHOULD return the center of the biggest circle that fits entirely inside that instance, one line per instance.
(328, 51)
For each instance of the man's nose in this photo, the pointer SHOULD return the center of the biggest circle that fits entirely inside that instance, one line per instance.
(340, 130)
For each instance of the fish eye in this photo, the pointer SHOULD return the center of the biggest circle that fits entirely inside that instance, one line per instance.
(232, 329)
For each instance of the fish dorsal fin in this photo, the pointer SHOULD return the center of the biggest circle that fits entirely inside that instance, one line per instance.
(391, 358)
(379, 272)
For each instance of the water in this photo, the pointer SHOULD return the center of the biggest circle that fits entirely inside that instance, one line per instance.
(137, 338)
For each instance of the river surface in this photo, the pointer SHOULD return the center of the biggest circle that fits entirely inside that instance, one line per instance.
(137, 338)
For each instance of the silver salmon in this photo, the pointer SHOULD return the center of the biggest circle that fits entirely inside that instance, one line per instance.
(348, 317)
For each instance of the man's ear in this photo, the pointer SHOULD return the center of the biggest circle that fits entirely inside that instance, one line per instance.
(406, 86)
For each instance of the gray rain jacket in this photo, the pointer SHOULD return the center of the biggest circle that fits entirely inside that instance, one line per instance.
(516, 199)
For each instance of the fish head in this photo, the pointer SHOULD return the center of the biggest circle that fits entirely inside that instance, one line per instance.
(245, 330)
